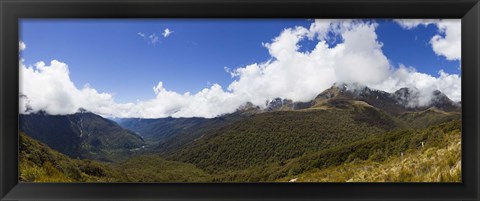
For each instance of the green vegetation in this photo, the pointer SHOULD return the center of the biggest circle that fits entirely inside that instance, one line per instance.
(428, 117)
(432, 154)
(39, 163)
(373, 159)
(82, 135)
(429, 164)
(166, 135)
(279, 136)
(152, 168)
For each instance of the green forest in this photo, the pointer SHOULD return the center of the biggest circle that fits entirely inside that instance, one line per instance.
(430, 154)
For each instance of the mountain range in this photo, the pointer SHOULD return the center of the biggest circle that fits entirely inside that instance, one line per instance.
(389, 106)
(83, 134)
(238, 145)
(399, 102)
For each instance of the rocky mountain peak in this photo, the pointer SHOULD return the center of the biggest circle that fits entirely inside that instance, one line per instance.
(398, 102)
(414, 99)
(406, 97)
(82, 110)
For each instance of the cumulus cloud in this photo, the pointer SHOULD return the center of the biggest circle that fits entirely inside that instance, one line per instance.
(209, 102)
(447, 42)
(21, 46)
(300, 76)
(290, 73)
(166, 32)
(49, 88)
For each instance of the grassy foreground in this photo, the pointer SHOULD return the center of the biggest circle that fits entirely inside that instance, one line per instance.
(439, 162)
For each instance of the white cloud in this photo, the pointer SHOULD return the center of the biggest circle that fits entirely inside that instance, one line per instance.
(300, 76)
(21, 46)
(413, 23)
(151, 38)
(449, 45)
(447, 42)
(449, 84)
(154, 38)
(290, 73)
(166, 32)
(49, 88)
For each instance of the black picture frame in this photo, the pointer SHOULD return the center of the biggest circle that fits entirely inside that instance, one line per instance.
(13, 10)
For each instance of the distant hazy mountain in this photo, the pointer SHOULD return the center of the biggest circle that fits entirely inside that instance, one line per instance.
(169, 134)
(159, 129)
(82, 134)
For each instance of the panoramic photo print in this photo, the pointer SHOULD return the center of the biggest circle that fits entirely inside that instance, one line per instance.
(240, 100)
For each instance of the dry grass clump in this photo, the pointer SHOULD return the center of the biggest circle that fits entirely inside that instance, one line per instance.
(440, 162)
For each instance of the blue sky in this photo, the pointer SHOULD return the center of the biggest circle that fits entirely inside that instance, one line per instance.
(112, 57)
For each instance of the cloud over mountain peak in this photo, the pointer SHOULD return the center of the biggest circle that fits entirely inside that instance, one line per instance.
(289, 74)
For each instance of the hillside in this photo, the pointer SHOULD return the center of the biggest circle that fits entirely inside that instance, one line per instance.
(438, 161)
(284, 129)
(164, 129)
(373, 159)
(428, 155)
(428, 117)
(153, 168)
(169, 134)
(278, 136)
(174, 134)
(83, 135)
(40, 163)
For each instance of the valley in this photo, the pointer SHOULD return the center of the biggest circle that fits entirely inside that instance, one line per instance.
(345, 134)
